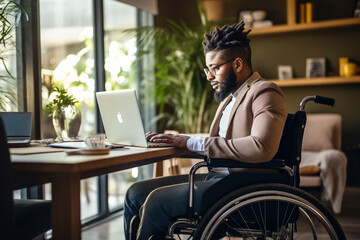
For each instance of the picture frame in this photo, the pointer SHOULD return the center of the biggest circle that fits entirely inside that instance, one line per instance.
(357, 9)
(285, 72)
(315, 67)
(246, 17)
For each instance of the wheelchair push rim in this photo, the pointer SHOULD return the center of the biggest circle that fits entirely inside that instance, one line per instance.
(276, 210)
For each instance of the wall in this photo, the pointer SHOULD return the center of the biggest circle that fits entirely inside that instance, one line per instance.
(293, 49)
(185, 10)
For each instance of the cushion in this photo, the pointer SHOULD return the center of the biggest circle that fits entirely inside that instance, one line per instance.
(32, 217)
(310, 181)
(322, 131)
(309, 170)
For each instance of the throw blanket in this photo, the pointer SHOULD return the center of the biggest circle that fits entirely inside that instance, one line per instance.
(332, 163)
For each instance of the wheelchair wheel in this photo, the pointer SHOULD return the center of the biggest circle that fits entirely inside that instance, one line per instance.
(268, 211)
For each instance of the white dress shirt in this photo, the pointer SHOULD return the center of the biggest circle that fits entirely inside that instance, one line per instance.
(196, 144)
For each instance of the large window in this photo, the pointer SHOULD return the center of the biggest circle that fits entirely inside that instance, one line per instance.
(68, 46)
(67, 62)
(10, 85)
(67, 57)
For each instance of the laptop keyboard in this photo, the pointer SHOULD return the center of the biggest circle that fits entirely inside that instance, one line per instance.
(152, 144)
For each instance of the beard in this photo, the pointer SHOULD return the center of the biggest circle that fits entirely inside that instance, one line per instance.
(226, 87)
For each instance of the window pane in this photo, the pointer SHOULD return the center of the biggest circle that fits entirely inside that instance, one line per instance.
(121, 71)
(67, 57)
(120, 74)
(9, 94)
(119, 49)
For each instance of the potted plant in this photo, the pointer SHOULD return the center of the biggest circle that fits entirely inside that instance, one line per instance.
(65, 116)
(10, 15)
(183, 96)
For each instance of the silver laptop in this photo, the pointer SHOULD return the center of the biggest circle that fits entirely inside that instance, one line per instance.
(122, 119)
(18, 128)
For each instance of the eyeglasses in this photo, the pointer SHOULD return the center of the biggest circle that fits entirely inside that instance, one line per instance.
(213, 69)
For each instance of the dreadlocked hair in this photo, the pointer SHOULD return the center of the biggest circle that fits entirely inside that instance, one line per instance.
(232, 38)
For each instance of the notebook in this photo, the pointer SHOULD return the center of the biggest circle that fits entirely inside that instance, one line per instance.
(17, 127)
(121, 117)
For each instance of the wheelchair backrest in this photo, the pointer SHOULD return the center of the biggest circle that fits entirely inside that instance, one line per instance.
(291, 140)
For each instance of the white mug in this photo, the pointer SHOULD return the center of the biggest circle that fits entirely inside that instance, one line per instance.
(95, 141)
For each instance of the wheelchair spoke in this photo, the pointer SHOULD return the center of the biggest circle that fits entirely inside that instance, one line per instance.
(287, 208)
(265, 215)
(233, 219)
(258, 222)
(262, 218)
(287, 221)
(242, 217)
(278, 216)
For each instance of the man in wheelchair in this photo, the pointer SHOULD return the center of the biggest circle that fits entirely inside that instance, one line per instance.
(247, 127)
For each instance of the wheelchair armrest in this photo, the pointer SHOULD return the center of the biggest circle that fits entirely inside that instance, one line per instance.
(230, 163)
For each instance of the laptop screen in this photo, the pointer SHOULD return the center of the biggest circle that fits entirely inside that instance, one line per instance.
(17, 124)
(121, 117)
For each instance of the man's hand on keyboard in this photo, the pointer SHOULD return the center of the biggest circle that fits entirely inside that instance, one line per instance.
(175, 140)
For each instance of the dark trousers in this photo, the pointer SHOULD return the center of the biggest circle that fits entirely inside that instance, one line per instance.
(159, 201)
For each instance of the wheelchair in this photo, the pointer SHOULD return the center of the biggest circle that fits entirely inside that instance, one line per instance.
(269, 207)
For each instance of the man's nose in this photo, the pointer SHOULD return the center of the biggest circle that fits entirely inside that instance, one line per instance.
(210, 76)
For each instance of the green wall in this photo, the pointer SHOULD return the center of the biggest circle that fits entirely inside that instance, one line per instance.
(347, 99)
(269, 51)
(293, 49)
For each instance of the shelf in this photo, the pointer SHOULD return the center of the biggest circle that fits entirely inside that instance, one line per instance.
(303, 82)
(287, 28)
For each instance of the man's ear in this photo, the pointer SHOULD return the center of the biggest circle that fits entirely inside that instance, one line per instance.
(238, 64)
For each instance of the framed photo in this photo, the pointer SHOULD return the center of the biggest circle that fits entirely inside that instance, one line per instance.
(357, 9)
(246, 17)
(285, 72)
(315, 67)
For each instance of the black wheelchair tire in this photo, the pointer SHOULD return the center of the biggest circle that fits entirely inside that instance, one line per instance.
(228, 201)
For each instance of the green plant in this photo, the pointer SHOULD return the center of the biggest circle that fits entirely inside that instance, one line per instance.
(183, 95)
(10, 15)
(60, 102)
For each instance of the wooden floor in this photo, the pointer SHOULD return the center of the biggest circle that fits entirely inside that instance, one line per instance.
(349, 219)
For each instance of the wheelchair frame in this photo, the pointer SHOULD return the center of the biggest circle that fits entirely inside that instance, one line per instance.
(288, 159)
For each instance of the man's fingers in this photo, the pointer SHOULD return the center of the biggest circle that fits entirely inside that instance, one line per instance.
(156, 137)
(160, 140)
(165, 138)
(149, 135)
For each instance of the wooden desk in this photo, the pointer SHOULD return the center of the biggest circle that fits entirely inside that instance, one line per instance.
(65, 172)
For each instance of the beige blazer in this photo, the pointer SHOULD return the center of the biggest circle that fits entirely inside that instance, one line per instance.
(255, 125)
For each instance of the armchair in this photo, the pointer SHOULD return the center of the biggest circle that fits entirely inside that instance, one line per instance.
(323, 164)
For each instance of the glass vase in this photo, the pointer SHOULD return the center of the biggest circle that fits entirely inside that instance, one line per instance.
(67, 123)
